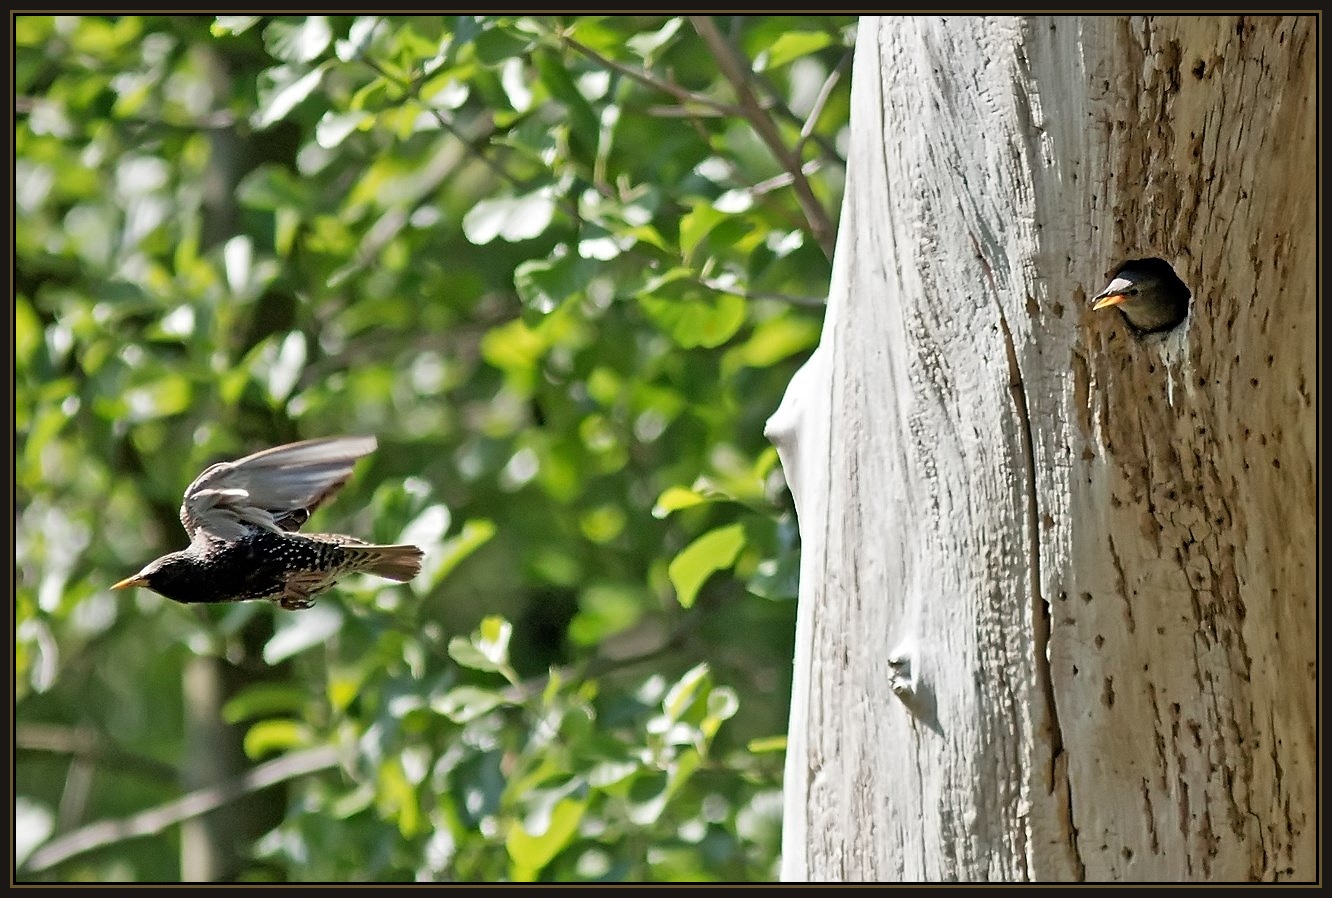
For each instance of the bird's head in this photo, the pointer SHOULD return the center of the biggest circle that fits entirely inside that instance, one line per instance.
(168, 576)
(1148, 292)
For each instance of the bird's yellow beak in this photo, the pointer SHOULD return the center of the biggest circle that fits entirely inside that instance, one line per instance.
(136, 580)
(1115, 292)
(1112, 299)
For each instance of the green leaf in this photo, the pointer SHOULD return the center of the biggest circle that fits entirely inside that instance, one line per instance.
(445, 91)
(603, 523)
(648, 795)
(343, 688)
(360, 38)
(610, 773)
(648, 43)
(696, 224)
(102, 39)
(466, 703)
(513, 347)
(33, 821)
(713, 551)
(681, 695)
(487, 648)
(335, 127)
(777, 578)
(474, 535)
(685, 764)
(263, 699)
(300, 42)
(651, 794)
(396, 798)
(355, 801)
(169, 395)
(285, 367)
(462, 650)
(722, 705)
(497, 45)
(773, 340)
(696, 322)
(605, 609)
(532, 844)
(271, 187)
(298, 631)
(545, 284)
(269, 736)
(27, 333)
(280, 89)
(674, 498)
(225, 25)
(492, 638)
(791, 45)
(513, 218)
(766, 744)
(582, 119)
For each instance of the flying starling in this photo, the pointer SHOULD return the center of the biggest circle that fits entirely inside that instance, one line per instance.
(1149, 293)
(242, 517)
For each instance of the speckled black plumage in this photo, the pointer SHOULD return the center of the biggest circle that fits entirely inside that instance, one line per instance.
(259, 567)
(242, 519)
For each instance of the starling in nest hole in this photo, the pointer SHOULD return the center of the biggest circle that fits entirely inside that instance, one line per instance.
(1149, 294)
(242, 517)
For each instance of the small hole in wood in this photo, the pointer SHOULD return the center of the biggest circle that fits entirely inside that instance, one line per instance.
(1148, 294)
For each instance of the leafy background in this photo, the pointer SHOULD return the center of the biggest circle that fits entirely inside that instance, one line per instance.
(563, 269)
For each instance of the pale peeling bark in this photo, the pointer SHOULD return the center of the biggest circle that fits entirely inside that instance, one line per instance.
(1057, 584)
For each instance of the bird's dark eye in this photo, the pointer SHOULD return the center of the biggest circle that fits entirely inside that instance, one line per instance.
(1133, 291)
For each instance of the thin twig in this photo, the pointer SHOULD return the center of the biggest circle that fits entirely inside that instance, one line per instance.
(473, 147)
(74, 797)
(195, 804)
(779, 105)
(783, 179)
(740, 177)
(391, 223)
(810, 302)
(470, 144)
(683, 112)
(812, 120)
(601, 666)
(214, 120)
(684, 95)
(728, 60)
(752, 108)
(711, 107)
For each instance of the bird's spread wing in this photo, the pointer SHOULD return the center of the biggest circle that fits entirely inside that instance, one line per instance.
(276, 489)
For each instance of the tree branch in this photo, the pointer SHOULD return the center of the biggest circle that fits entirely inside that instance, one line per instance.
(214, 120)
(812, 120)
(155, 820)
(85, 744)
(809, 302)
(601, 666)
(710, 106)
(807, 133)
(736, 71)
(684, 95)
(472, 145)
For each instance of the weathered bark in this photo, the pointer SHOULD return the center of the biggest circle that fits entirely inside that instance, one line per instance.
(1058, 582)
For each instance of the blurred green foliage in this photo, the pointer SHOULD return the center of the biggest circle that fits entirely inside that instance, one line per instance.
(563, 269)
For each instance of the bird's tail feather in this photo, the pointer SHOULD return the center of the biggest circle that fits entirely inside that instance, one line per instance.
(400, 563)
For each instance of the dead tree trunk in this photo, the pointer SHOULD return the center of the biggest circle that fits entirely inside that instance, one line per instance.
(1057, 593)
